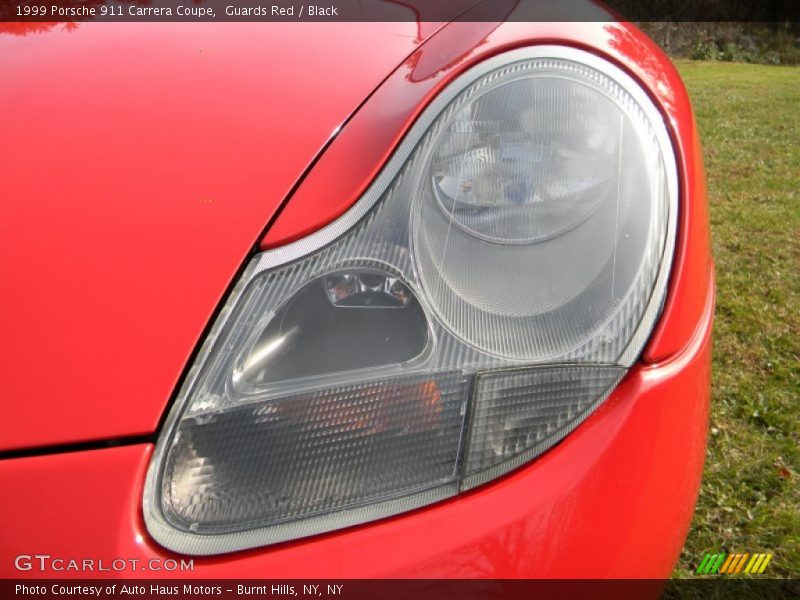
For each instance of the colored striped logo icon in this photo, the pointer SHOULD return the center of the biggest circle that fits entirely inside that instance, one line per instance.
(728, 564)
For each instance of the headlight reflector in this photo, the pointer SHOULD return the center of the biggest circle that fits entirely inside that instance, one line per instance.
(490, 289)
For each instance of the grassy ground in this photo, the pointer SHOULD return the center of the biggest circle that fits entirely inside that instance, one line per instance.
(749, 120)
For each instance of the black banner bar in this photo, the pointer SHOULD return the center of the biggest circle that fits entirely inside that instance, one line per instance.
(766, 11)
(430, 589)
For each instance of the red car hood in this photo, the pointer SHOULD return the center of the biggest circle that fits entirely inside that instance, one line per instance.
(141, 163)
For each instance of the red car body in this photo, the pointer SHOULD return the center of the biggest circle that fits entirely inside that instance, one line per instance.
(142, 165)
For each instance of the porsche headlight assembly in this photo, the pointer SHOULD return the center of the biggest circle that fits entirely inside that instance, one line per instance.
(490, 289)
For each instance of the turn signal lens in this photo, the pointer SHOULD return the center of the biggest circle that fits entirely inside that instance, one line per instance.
(309, 453)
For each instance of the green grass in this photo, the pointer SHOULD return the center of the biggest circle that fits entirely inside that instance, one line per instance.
(749, 121)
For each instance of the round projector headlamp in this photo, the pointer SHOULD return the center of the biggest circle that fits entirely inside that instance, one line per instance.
(536, 220)
(490, 289)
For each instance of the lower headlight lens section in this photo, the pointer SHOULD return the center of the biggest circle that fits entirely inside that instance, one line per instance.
(313, 453)
(490, 289)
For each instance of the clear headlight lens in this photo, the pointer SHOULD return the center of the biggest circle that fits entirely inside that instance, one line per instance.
(530, 157)
(490, 290)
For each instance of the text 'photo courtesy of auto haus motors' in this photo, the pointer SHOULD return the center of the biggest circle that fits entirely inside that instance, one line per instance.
(185, 589)
(442, 296)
